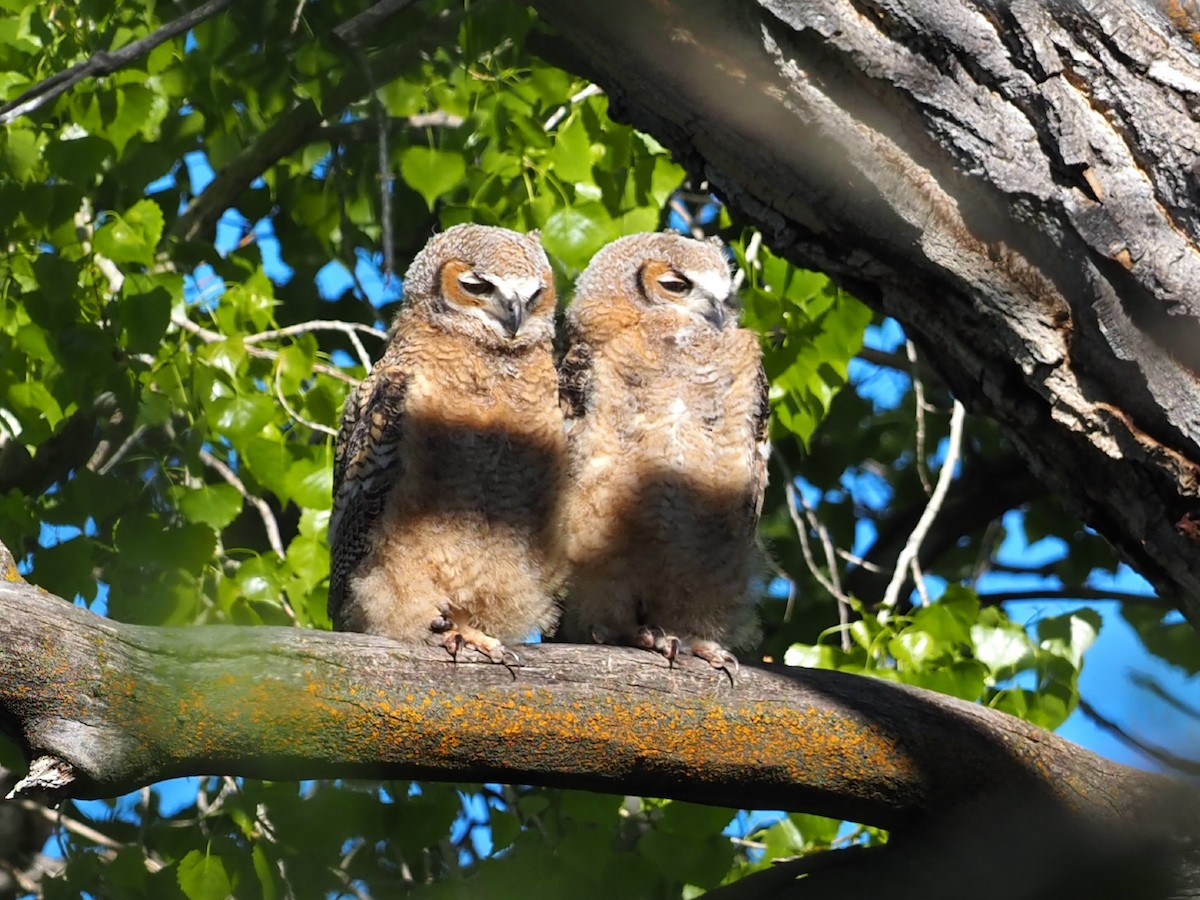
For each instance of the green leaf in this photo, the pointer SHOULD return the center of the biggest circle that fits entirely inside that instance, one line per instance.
(20, 151)
(574, 234)
(1070, 635)
(310, 481)
(133, 236)
(202, 876)
(264, 872)
(214, 505)
(572, 153)
(432, 173)
(1003, 650)
(238, 418)
(146, 540)
(145, 315)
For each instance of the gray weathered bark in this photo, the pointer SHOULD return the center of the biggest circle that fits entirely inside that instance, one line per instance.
(1015, 182)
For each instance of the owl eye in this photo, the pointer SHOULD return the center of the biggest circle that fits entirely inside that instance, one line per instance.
(674, 283)
(533, 299)
(474, 285)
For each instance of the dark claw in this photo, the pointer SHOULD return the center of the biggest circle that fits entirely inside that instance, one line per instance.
(669, 648)
(653, 638)
(505, 656)
(718, 657)
(454, 644)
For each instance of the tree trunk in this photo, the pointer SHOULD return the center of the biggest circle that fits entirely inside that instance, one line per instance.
(102, 708)
(1015, 182)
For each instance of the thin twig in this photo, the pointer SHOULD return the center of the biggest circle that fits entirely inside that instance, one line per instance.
(74, 826)
(350, 329)
(832, 582)
(1148, 684)
(356, 130)
(919, 581)
(747, 843)
(126, 445)
(83, 830)
(752, 248)
(689, 221)
(993, 598)
(270, 525)
(987, 543)
(559, 114)
(211, 337)
(910, 350)
(287, 408)
(296, 16)
(913, 545)
(1160, 755)
(105, 63)
(883, 359)
(859, 561)
(268, 517)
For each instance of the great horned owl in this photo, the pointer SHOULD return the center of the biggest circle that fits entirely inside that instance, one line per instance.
(450, 458)
(666, 406)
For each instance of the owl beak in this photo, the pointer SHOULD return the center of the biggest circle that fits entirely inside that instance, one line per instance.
(512, 314)
(716, 312)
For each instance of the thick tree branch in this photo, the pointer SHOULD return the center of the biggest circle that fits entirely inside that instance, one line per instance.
(1011, 181)
(101, 708)
(126, 705)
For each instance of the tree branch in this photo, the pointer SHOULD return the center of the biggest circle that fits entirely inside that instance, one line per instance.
(105, 63)
(1164, 757)
(123, 706)
(994, 598)
(912, 546)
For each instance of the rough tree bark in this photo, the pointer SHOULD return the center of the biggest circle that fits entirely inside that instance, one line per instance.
(101, 708)
(1014, 180)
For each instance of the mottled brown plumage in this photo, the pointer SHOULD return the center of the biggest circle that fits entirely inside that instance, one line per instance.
(666, 410)
(449, 463)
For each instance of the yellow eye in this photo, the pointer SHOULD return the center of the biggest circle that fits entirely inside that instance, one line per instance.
(674, 283)
(474, 285)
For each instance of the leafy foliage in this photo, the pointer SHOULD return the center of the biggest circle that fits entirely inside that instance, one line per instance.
(195, 274)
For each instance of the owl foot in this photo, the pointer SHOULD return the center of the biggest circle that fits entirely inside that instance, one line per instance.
(651, 638)
(460, 638)
(717, 656)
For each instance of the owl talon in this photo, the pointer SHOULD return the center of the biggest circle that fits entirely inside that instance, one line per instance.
(650, 637)
(465, 637)
(454, 644)
(717, 657)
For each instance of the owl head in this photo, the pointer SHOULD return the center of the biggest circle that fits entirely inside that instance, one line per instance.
(491, 283)
(663, 272)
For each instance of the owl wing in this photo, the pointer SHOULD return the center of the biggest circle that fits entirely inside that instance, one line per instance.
(762, 442)
(366, 464)
(574, 380)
